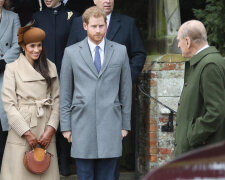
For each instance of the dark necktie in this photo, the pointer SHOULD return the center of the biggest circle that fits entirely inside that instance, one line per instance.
(97, 60)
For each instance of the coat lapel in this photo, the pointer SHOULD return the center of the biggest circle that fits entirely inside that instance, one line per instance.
(86, 55)
(195, 59)
(26, 71)
(114, 26)
(108, 55)
(4, 22)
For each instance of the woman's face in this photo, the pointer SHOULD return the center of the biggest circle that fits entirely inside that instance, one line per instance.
(1, 3)
(33, 51)
(51, 3)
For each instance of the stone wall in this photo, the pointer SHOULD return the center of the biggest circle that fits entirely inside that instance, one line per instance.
(162, 78)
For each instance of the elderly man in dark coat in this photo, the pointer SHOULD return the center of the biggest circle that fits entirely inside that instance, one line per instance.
(56, 21)
(201, 115)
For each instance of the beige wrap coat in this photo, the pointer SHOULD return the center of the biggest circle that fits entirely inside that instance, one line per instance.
(29, 105)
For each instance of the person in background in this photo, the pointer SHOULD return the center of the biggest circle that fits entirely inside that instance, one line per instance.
(200, 115)
(56, 21)
(9, 51)
(30, 95)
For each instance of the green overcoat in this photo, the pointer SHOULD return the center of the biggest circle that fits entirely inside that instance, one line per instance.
(201, 110)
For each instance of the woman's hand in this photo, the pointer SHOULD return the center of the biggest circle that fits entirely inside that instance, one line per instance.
(31, 139)
(46, 137)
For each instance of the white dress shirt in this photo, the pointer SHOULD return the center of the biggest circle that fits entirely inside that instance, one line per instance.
(204, 47)
(101, 49)
(108, 19)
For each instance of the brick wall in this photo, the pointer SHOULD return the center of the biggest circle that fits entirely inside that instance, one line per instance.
(162, 77)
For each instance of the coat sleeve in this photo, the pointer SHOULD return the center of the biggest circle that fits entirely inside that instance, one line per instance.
(212, 88)
(9, 98)
(66, 92)
(136, 52)
(54, 117)
(13, 53)
(125, 92)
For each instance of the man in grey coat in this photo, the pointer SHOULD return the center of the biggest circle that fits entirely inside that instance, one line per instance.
(95, 99)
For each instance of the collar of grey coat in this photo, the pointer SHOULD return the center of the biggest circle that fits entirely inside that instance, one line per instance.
(4, 22)
(28, 73)
(195, 59)
(86, 55)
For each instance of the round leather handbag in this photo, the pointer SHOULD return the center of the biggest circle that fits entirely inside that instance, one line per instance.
(37, 160)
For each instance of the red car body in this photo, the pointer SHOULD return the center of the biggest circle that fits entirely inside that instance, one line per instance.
(207, 163)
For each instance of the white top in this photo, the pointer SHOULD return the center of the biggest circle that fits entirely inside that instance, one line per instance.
(204, 47)
(101, 49)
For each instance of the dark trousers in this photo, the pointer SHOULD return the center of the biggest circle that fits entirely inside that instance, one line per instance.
(3, 137)
(117, 170)
(96, 169)
(63, 151)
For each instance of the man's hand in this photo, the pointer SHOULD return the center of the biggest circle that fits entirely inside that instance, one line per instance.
(46, 137)
(31, 139)
(124, 133)
(67, 135)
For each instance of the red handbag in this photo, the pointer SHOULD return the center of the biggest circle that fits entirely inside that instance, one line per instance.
(37, 160)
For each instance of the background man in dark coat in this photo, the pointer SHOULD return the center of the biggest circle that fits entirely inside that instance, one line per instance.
(120, 29)
(56, 21)
(201, 115)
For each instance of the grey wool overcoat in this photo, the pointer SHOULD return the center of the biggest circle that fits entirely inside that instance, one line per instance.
(9, 49)
(95, 106)
(29, 106)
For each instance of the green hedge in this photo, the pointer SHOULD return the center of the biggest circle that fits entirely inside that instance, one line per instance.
(213, 16)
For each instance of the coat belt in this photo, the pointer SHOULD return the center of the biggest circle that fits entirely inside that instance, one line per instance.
(40, 111)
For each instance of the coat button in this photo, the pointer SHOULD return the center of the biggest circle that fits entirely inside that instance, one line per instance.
(6, 44)
(185, 84)
(1, 55)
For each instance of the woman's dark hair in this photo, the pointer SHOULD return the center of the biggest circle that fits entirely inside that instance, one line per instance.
(6, 4)
(41, 66)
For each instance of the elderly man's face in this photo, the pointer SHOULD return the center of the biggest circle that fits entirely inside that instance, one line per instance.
(51, 3)
(106, 5)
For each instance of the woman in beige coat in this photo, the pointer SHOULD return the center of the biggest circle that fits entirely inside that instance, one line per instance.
(30, 95)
